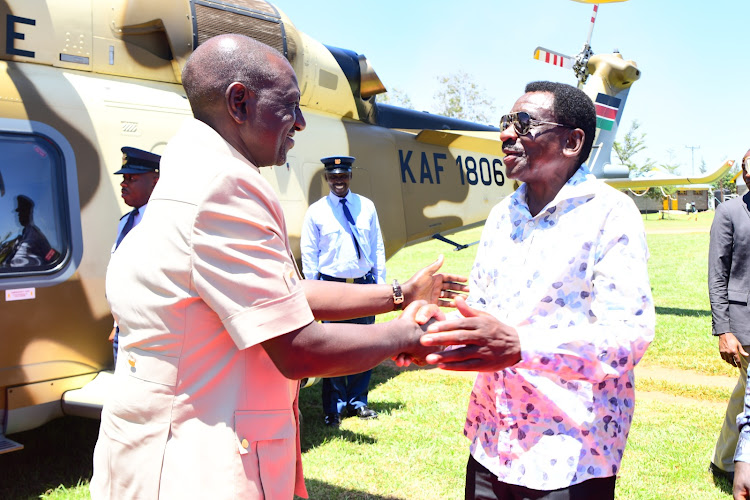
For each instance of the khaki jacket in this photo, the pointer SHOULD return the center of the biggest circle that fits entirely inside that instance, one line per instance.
(198, 409)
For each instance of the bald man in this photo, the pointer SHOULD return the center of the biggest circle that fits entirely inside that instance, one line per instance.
(216, 326)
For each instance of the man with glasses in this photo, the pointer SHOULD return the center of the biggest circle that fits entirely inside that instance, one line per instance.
(559, 313)
(728, 289)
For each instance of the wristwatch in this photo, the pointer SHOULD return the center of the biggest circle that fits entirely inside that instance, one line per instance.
(398, 295)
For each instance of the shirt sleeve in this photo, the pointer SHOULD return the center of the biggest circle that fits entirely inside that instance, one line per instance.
(376, 244)
(310, 246)
(621, 312)
(719, 265)
(242, 267)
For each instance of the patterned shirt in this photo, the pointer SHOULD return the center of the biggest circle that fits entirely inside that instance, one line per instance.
(742, 452)
(573, 282)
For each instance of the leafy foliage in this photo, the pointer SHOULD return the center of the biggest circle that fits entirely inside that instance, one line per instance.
(725, 181)
(461, 97)
(633, 143)
(396, 97)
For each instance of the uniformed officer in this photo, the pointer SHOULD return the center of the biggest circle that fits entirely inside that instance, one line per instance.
(31, 248)
(140, 173)
(341, 241)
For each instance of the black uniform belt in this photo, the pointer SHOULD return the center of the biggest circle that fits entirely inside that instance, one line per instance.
(367, 278)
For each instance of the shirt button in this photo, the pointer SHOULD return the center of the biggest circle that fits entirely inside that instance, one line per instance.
(245, 444)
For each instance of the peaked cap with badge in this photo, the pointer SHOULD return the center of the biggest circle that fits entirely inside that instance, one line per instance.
(338, 164)
(138, 161)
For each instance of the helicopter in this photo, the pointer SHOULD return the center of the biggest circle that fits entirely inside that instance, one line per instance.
(81, 79)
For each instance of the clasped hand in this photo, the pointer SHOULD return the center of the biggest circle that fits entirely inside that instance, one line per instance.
(476, 342)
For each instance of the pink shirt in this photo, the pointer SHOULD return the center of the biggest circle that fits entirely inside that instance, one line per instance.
(199, 410)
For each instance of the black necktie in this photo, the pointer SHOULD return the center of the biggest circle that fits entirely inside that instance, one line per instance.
(352, 226)
(127, 227)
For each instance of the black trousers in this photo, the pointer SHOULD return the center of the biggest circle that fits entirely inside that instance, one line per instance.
(482, 484)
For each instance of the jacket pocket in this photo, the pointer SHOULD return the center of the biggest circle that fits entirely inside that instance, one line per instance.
(267, 444)
(737, 296)
(148, 366)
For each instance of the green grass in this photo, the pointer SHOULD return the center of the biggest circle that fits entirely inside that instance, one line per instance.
(416, 449)
(668, 452)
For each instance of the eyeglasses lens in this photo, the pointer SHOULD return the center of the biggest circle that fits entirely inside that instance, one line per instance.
(521, 122)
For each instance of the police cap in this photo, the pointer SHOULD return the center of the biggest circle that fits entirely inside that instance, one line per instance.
(24, 204)
(338, 164)
(138, 161)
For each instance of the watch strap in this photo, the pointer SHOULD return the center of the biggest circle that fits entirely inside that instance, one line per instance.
(398, 295)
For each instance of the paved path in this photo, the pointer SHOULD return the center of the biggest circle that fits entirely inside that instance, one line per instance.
(686, 377)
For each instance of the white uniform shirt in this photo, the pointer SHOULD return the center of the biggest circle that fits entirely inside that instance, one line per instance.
(124, 219)
(326, 240)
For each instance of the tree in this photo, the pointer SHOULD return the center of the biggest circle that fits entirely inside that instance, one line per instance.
(703, 168)
(395, 97)
(461, 97)
(633, 144)
(725, 181)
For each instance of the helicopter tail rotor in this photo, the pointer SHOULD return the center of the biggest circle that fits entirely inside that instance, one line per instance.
(554, 58)
(578, 63)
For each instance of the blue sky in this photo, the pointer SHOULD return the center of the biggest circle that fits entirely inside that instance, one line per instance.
(693, 57)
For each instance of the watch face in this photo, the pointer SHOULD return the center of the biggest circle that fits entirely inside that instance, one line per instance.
(398, 296)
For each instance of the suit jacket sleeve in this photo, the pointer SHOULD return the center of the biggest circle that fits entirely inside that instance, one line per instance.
(719, 265)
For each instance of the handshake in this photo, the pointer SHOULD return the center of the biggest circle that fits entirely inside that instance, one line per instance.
(474, 341)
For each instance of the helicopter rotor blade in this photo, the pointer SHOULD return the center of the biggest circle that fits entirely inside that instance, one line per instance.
(554, 58)
(591, 28)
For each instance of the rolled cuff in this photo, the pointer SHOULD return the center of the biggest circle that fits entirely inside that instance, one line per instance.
(269, 320)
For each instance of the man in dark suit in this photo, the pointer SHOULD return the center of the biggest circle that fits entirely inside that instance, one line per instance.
(728, 288)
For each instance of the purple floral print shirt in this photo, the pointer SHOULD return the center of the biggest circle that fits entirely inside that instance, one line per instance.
(573, 281)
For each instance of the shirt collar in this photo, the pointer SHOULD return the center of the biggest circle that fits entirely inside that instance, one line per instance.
(202, 133)
(577, 187)
(336, 200)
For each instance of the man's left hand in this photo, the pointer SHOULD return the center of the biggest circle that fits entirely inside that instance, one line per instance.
(440, 289)
(487, 345)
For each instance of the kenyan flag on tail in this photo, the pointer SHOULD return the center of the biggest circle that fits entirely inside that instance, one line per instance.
(606, 111)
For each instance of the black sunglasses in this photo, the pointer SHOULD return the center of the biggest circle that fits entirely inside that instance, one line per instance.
(523, 122)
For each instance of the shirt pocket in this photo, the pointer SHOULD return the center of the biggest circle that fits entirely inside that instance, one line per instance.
(364, 232)
(330, 234)
(267, 444)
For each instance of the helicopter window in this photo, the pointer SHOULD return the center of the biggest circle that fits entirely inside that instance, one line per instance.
(34, 230)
